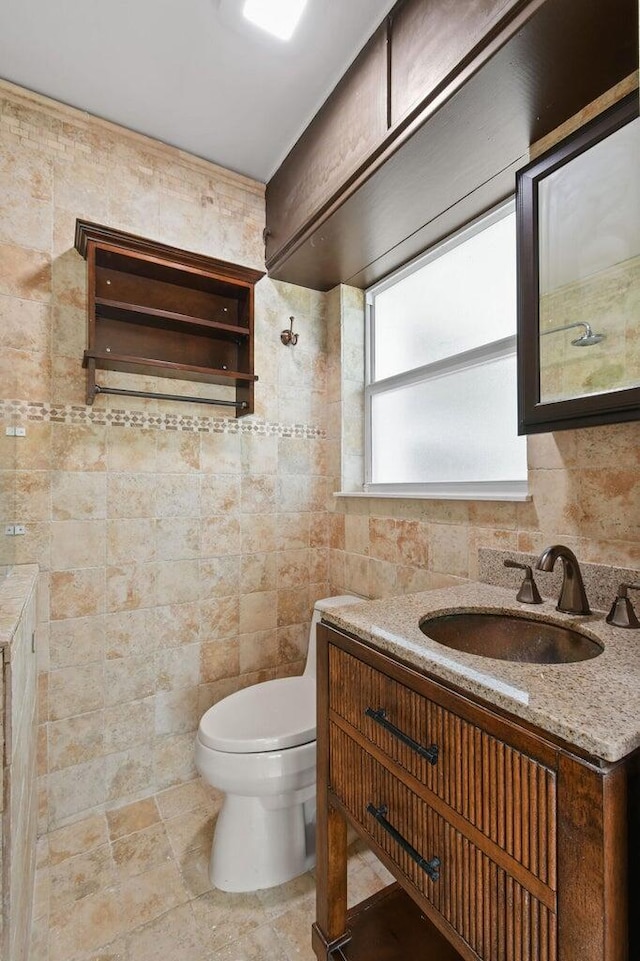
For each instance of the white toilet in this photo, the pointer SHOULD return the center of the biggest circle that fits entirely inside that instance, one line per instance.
(259, 747)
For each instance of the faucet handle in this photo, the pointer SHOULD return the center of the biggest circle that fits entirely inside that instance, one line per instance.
(528, 593)
(622, 613)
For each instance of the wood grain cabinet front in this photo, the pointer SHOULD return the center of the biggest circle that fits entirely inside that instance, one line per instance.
(483, 821)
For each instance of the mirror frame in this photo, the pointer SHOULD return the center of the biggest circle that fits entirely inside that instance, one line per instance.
(590, 409)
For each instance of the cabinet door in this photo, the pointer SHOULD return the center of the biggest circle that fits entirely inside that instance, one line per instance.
(340, 138)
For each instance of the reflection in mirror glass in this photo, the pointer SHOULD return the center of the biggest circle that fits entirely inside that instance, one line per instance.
(589, 270)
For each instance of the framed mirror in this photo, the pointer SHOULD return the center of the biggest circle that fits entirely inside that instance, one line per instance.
(578, 233)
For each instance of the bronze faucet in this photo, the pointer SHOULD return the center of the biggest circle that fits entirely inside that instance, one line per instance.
(573, 598)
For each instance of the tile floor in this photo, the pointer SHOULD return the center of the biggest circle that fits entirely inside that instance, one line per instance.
(132, 885)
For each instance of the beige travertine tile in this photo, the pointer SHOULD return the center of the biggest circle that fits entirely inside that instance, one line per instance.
(220, 618)
(178, 668)
(185, 797)
(132, 450)
(128, 724)
(449, 546)
(128, 773)
(131, 586)
(223, 918)
(173, 625)
(75, 690)
(79, 593)
(178, 452)
(83, 836)
(257, 612)
(173, 761)
(219, 658)
(294, 606)
(76, 641)
(293, 569)
(130, 495)
(177, 539)
(219, 576)
(219, 535)
(75, 790)
(219, 494)
(75, 739)
(382, 579)
(177, 495)
(293, 642)
(175, 931)
(258, 651)
(129, 679)
(80, 876)
(78, 544)
(258, 533)
(25, 273)
(78, 495)
(192, 830)
(83, 926)
(79, 448)
(132, 818)
(220, 453)
(131, 542)
(258, 572)
(177, 712)
(142, 851)
(258, 493)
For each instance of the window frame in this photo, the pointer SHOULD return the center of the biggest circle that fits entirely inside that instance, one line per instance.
(508, 490)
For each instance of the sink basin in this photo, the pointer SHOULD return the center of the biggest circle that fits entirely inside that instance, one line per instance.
(510, 638)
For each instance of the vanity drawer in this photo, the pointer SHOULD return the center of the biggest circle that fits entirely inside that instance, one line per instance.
(489, 909)
(504, 793)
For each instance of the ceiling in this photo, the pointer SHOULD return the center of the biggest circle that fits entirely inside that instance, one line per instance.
(191, 73)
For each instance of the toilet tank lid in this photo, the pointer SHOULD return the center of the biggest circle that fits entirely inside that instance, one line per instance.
(269, 716)
(342, 600)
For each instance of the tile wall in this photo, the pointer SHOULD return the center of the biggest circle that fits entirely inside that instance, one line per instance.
(584, 484)
(181, 551)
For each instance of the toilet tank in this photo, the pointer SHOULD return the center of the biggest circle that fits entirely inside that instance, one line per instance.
(342, 600)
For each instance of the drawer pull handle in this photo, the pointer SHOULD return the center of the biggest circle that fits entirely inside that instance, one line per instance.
(380, 717)
(429, 867)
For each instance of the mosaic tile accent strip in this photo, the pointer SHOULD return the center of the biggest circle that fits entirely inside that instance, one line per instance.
(118, 417)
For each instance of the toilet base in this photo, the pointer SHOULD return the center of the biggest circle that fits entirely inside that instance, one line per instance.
(262, 842)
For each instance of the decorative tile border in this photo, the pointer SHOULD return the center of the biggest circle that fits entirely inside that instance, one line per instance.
(192, 423)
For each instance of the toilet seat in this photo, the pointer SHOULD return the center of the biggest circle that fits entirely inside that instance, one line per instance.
(270, 716)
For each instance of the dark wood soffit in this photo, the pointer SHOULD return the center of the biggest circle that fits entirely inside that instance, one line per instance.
(87, 231)
(562, 58)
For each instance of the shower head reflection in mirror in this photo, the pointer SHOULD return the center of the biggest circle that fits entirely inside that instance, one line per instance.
(586, 339)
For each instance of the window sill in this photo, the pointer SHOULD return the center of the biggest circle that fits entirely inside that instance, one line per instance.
(514, 491)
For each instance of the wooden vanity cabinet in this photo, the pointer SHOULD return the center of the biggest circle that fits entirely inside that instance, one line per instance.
(506, 844)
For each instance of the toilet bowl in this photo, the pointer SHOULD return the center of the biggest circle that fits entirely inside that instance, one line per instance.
(259, 747)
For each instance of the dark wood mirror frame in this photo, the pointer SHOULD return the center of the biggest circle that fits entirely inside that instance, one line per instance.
(535, 416)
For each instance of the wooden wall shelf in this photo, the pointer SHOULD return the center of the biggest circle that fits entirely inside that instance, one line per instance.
(160, 311)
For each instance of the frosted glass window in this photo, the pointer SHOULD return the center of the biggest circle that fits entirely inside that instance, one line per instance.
(441, 391)
(463, 296)
(459, 427)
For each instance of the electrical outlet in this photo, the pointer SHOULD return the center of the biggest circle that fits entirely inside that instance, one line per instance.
(13, 530)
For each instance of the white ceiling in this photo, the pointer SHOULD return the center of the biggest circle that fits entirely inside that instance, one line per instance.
(192, 73)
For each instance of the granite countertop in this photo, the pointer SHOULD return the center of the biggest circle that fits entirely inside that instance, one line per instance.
(593, 704)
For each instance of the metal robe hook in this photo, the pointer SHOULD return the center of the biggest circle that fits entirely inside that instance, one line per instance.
(288, 337)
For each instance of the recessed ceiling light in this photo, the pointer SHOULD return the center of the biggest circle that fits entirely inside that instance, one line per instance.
(279, 17)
